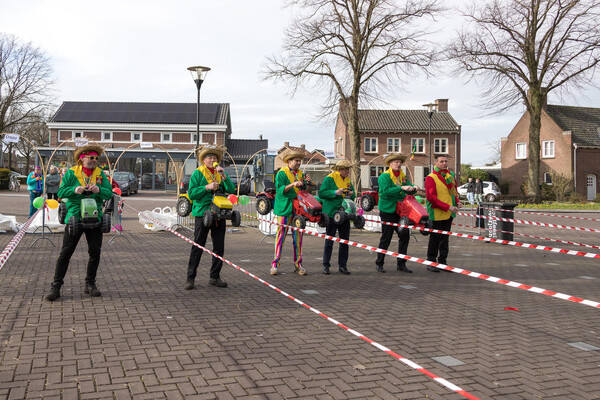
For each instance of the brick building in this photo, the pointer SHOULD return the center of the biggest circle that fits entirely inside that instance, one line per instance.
(570, 146)
(387, 131)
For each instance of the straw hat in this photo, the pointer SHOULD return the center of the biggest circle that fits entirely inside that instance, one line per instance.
(343, 164)
(293, 154)
(394, 156)
(211, 149)
(88, 148)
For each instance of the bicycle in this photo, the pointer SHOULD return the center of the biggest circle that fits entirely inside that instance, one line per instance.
(13, 184)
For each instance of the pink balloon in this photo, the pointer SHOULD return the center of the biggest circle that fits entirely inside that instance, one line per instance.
(117, 191)
(233, 198)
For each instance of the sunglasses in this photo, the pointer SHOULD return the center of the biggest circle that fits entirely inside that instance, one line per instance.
(92, 157)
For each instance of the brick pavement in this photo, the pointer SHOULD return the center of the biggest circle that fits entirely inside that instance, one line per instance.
(147, 338)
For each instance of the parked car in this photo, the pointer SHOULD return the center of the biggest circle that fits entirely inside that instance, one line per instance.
(243, 176)
(127, 181)
(491, 191)
(184, 184)
(159, 181)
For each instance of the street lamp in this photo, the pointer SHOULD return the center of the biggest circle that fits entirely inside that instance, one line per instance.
(431, 108)
(198, 75)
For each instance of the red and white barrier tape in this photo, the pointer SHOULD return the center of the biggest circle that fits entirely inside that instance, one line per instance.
(406, 361)
(471, 274)
(14, 242)
(541, 213)
(519, 221)
(501, 241)
(536, 237)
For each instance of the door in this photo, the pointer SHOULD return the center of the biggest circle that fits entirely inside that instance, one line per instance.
(591, 187)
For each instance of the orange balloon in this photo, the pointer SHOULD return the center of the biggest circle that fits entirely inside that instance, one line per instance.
(52, 203)
(117, 191)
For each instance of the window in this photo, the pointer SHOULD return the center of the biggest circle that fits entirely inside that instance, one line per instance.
(393, 145)
(166, 138)
(77, 134)
(521, 151)
(106, 136)
(193, 137)
(548, 149)
(417, 145)
(370, 145)
(375, 171)
(136, 137)
(440, 146)
(547, 178)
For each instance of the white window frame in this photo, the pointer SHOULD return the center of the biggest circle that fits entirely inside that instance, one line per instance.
(371, 139)
(547, 178)
(437, 143)
(133, 140)
(162, 137)
(517, 156)
(549, 154)
(420, 144)
(193, 139)
(392, 148)
(76, 134)
(103, 139)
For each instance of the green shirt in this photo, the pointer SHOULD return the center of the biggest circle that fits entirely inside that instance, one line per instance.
(283, 201)
(201, 197)
(331, 201)
(389, 193)
(67, 191)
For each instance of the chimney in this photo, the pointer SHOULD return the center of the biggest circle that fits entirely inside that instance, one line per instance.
(442, 104)
(303, 146)
(286, 144)
(260, 137)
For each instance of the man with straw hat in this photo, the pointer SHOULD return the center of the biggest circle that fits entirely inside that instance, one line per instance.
(76, 184)
(393, 187)
(204, 182)
(335, 188)
(288, 182)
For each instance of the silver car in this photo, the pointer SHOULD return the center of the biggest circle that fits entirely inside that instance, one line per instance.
(491, 191)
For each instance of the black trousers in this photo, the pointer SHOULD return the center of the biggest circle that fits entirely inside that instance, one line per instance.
(344, 230)
(387, 232)
(94, 241)
(217, 233)
(52, 196)
(438, 243)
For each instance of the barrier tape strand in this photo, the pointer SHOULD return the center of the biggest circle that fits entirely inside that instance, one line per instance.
(519, 221)
(404, 360)
(14, 242)
(541, 213)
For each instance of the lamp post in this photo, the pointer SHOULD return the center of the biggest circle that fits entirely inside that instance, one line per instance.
(198, 75)
(431, 107)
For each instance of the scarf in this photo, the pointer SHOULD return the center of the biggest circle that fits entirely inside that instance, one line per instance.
(209, 175)
(87, 180)
(341, 183)
(292, 176)
(397, 179)
(447, 178)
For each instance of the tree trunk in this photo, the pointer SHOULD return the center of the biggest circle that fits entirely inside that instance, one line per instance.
(354, 135)
(535, 116)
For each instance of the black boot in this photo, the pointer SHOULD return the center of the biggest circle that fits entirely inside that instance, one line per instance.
(217, 282)
(54, 292)
(189, 285)
(326, 270)
(403, 268)
(344, 270)
(91, 289)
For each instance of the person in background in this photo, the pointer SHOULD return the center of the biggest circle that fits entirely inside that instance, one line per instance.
(204, 182)
(335, 188)
(52, 183)
(471, 191)
(63, 171)
(442, 206)
(478, 191)
(35, 185)
(393, 187)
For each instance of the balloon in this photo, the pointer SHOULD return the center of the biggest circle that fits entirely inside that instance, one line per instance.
(52, 203)
(38, 202)
(243, 200)
(117, 191)
(232, 198)
(419, 198)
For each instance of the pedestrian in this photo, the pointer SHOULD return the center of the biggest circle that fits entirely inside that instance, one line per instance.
(35, 185)
(335, 188)
(85, 180)
(471, 191)
(393, 187)
(288, 181)
(442, 206)
(205, 181)
(53, 183)
(478, 191)
(63, 171)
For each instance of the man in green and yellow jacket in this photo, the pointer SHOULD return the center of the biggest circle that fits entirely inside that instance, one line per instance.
(393, 187)
(335, 188)
(204, 182)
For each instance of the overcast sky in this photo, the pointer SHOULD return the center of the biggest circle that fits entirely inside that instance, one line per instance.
(138, 51)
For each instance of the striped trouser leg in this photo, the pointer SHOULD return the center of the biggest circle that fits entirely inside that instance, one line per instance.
(279, 240)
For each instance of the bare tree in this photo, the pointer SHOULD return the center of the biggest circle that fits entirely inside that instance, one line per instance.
(521, 50)
(36, 132)
(25, 84)
(496, 147)
(353, 50)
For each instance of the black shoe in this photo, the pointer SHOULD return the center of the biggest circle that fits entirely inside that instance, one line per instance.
(217, 282)
(326, 270)
(403, 268)
(380, 268)
(432, 269)
(54, 293)
(344, 271)
(92, 290)
(189, 285)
